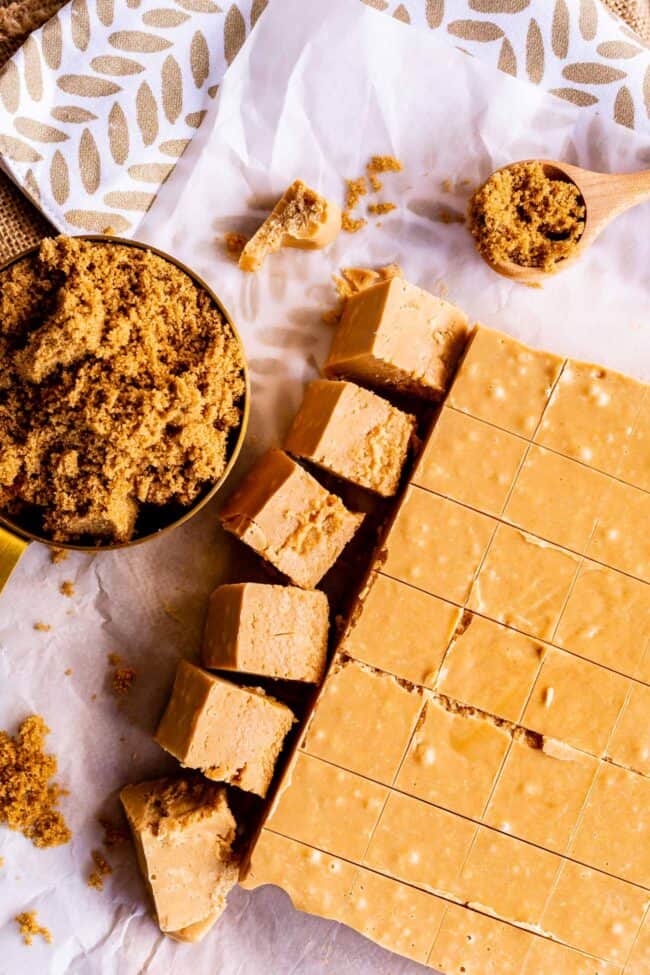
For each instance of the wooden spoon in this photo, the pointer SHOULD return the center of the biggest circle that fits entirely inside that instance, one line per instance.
(605, 197)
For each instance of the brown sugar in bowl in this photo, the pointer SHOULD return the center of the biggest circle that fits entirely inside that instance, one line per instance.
(16, 532)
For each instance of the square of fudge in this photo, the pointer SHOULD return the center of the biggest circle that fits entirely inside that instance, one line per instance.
(470, 461)
(508, 877)
(397, 336)
(183, 831)
(615, 825)
(454, 758)
(469, 943)
(401, 629)
(543, 500)
(504, 382)
(541, 791)
(420, 844)
(394, 915)
(607, 620)
(591, 415)
(273, 631)
(635, 463)
(630, 741)
(315, 881)
(490, 667)
(436, 544)
(232, 733)
(524, 582)
(622, 538)
(352, 433)
(357, 708)
(575, 701)
(327, 807)
(595, 913)
(289, 519)
(547, 957)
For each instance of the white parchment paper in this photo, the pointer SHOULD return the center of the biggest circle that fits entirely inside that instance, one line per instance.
(315, 91)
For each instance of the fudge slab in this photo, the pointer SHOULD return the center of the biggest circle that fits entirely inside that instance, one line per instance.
(353, 433)
(396, 336)
(232, 733)
(273, 631)
(511, 592)
(183, 830)
(285, 515)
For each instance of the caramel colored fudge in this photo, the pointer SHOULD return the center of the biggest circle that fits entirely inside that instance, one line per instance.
(394, 335)
(232, 733)
(183, 830)
(300, 218)
(353, 433)
(479, 749)
(274, 631)
(285, 515)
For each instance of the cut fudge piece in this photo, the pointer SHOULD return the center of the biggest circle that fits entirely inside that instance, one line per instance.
(504, 382)
(231, 733)
(469, 943)
(300, 218)
(399, 336)
(353, 433)
(183, 830)
(285, 515)
(275, 631)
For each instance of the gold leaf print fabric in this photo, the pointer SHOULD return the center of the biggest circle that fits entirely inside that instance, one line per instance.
(98, 105)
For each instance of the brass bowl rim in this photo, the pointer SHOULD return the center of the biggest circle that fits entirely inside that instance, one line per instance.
(16, 529)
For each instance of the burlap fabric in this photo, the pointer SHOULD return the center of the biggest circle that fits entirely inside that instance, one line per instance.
(21, 224)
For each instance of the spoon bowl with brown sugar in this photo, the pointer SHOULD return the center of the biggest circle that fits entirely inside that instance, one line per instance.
(538, 216)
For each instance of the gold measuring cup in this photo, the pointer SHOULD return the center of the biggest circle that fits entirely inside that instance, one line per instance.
(14, 538)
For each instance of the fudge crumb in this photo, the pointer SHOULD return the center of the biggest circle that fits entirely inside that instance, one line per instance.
(123, 680)
(30, 928)
(27, 800)
(102, 869)
(523, 215)
(353, 280)
(67, 588)
(42, 627)
(58, 555)
(235, 244)
(352, 224)
(114, 833)
(380, 208)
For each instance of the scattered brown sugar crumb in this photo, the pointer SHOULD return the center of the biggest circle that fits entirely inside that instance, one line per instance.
(122, 384)
(42, 627)
(2, 862)
(356, 188)
(58, 555)
(67, 588)
(447, 186)
(30, 928)
(352, 224)
(68, 671)
(114, 833)
(450, 216)
(123, 680)
(380, 208)
(235, 244)
(114, 659)
(525, 216)
(27, 800)
(102, 869)
(384, 164)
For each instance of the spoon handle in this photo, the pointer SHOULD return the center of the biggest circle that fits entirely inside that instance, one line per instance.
(607, 196)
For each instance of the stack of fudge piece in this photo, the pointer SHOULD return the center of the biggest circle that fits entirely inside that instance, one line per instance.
(396, 339)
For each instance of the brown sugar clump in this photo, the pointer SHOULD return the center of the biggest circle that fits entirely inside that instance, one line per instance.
(27, 800)
(380, 208)
(523, 215)
(384, 164)
(58, 555)
(42, 627)
(235, 244)
(114, 833)
(30, 928)
(67, 588)
(122, 681)
(102, 869)
(121, 385)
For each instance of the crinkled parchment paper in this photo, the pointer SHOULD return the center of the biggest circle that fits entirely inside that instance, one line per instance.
(315, 91)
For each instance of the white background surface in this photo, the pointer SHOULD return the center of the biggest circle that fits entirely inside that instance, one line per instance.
(312, 100)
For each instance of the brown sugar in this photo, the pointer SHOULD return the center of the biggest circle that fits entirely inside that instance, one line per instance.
(30, 928)
(84, 447)
(352, 224)
(42, 627)
(235, 244)
(524, 215)
(102, 869)
(380, 208)
(67, 588)
(114, 833)
(122, 681)
(58, 555)
(359, 187)
(27, 800)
